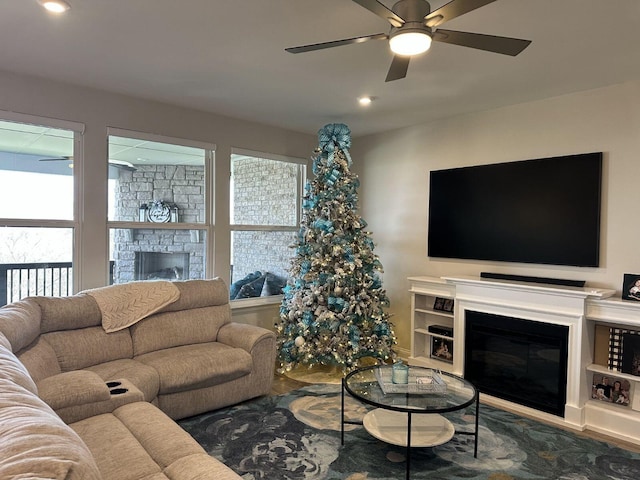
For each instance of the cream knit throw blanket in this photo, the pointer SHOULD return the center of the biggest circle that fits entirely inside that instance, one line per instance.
(125, 304)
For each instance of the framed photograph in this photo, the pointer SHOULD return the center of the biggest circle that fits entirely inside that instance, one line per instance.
(631, 287)
(438, 304)
(631, 354)
(610, 389)
(443, 304)
(448, 305)
(442, 349)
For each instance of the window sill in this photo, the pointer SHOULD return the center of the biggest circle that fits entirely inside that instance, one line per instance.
(255, 302)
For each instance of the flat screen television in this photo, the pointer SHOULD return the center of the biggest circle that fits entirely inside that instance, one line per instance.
(542, 211)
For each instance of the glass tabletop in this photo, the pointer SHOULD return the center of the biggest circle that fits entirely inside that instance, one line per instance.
(365, 385)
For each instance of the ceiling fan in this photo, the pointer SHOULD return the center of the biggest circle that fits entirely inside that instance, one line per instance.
(112, 163)
(414, 26)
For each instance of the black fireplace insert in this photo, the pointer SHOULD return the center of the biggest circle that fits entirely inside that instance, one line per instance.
(518, 360)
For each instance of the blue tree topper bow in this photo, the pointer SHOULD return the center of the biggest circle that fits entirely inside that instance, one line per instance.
(335, 136)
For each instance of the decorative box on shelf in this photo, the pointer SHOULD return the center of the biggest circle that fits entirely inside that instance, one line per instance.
(422, 382)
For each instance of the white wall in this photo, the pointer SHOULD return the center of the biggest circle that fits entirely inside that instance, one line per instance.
(394, 171)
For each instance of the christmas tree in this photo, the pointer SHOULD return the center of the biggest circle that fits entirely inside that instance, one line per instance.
(332, 312)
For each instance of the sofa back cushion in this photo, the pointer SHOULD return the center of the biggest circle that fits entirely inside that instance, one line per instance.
(40, 359)
(20, 323)
(85, 347)
(196, 317)
(174, 329)
(68, 313)
(199, 293)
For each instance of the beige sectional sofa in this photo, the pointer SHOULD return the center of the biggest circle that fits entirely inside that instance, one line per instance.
(82, 398)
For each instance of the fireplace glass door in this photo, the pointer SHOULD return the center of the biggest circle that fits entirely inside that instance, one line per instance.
(518, 360)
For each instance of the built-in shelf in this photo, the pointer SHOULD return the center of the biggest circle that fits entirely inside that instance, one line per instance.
(426, 345)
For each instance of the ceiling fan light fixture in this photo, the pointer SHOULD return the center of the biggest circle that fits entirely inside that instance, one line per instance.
(410, 42)
(55, 6)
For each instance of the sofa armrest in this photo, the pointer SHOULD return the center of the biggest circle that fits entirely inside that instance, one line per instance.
(243, 335)
(68, 389)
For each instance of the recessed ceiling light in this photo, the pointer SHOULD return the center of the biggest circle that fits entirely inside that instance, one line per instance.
(55, 6)
(365, 100)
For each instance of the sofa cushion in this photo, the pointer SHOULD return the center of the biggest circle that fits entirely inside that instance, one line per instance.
(35, 442)
(40, 360)
(199, 293)
(196, 366)
(173, 329)
(68, 313)
(13, 371)
(73, 388)
(20, 323)
(144, 377)
(121, 393)
(78, 349)
(139, 441)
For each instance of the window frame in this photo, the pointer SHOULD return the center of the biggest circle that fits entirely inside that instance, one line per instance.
(237, 227)
(209, 211)
(74, 224)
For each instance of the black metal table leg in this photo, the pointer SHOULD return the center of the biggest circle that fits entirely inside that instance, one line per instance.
(475, 448)
(342, 411)
(408, 443)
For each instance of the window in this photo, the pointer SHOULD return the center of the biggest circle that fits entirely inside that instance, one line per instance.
(158, 210)
(265, 200)
(37, 205)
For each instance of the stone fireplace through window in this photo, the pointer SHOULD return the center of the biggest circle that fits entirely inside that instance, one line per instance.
(161, 266)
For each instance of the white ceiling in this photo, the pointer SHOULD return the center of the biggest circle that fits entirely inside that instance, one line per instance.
(228, 56)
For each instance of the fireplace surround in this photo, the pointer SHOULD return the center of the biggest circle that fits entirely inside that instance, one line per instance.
(581, 311)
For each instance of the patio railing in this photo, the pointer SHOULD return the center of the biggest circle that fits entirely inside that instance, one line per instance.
(19, 280)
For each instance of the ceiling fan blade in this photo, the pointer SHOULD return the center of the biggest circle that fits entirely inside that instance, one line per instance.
(490, 43)
(453, 9)
(379, 9)
(112, 163)
(123, 165)
(398, 68)
(56, 159)
(336, 43)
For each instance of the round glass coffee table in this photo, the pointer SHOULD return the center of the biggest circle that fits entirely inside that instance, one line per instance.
(410, 415)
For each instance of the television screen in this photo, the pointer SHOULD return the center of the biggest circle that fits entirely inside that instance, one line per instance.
(544, 211)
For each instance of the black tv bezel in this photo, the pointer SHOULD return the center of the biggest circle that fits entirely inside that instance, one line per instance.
(587, 257)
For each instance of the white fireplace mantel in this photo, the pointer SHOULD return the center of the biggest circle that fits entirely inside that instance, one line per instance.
(578, 308)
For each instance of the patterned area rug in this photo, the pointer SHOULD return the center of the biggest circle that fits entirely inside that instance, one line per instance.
(297, 436)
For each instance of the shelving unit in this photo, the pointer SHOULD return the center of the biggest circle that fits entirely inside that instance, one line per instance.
(424, 293)
(620, 421)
